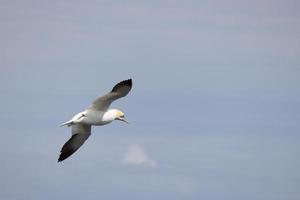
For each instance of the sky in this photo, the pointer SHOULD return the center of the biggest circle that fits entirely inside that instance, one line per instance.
(214, 110)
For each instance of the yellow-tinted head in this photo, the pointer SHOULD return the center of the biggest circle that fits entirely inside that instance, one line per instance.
(119, 115)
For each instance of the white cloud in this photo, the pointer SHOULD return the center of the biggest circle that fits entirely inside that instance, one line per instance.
(136, 155)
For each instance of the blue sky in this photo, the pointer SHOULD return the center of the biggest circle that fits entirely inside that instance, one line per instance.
(214, 109)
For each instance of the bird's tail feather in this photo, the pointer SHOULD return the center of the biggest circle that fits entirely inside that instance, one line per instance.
(68, 123)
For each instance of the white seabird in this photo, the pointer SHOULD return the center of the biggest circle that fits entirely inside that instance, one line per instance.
(96, 114)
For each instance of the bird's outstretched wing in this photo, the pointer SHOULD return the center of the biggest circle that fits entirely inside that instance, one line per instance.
(118, 91)
(80, 134)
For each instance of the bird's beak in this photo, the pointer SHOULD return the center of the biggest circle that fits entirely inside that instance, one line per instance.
(123, 120)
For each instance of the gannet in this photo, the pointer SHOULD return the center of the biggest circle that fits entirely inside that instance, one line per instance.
(96, 114)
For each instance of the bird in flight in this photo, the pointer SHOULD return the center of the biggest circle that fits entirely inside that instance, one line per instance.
(96, 114)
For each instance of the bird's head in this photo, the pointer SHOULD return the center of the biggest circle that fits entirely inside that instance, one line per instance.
(118, 115)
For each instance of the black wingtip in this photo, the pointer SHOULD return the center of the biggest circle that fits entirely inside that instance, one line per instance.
(68, 149)
(60, 158)
(66, 152)
(127, 83)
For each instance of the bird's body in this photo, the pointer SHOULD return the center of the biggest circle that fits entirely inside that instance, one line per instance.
(95, 115)
(89, 117)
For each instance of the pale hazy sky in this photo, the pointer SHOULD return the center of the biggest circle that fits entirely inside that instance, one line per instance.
(214, 109)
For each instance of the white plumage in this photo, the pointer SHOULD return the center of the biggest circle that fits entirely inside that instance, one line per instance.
(96, 114)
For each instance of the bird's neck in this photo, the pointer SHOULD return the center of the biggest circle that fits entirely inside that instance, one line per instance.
(109, 115)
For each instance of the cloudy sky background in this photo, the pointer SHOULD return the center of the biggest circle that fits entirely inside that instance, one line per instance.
(214, 110)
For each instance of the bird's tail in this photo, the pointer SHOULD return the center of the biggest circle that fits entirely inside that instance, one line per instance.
(68, 123)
